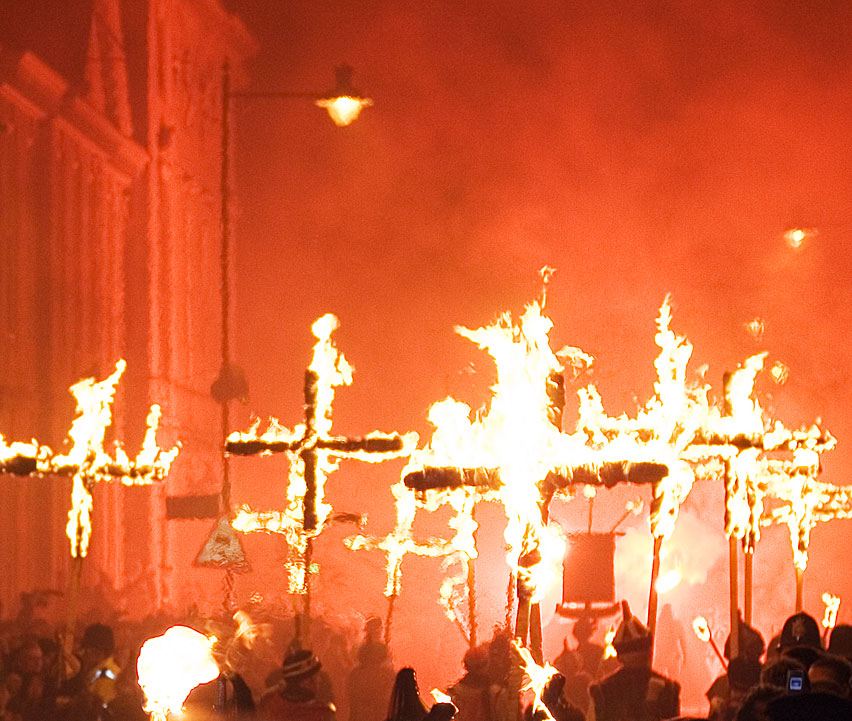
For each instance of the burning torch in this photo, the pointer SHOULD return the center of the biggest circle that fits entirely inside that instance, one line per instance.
(702, 630)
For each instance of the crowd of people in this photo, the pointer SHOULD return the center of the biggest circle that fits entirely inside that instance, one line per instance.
(797, 675)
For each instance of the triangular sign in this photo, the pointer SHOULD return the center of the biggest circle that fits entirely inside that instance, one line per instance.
(223, 549)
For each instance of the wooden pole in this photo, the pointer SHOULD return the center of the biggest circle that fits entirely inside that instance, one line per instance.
(471, 601)
(535, 634)
(748, 567)
(734, 601)
(652, 594)
(800, 589)
(71, 609)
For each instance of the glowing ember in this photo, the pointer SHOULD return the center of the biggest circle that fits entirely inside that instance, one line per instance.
(755, 328)
(796, 237)
(537, 676)
(702, 630)
(832, 604)
(780, 373)
(170, 666)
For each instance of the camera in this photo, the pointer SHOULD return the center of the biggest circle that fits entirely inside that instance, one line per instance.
(795, 681)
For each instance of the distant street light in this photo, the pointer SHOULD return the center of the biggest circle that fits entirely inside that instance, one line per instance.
(343, 102)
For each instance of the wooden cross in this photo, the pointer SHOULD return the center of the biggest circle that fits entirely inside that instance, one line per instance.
(87, 463)
(313, 451)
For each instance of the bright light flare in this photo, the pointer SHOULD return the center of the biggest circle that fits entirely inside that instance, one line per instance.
(668, 581)
(701, 628)
(796, 237)
(170, 666)
(440, 696)
(344, 109)
(832, 603)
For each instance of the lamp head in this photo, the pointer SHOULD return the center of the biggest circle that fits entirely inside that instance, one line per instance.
(343, 103)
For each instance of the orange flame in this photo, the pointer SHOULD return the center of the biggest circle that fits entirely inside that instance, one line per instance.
(832, 604)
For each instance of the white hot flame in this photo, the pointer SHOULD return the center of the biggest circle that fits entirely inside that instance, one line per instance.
(170, 666)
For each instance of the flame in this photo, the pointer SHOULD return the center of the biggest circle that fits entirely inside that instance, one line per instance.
(170, 666)
(780, 373)
(440, 696)
(516, 441)
(344, 109)
(832, 603)
(668, 580)
(701, 628)
(609, 649)
(537, 676)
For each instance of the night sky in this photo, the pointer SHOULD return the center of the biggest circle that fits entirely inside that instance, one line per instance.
(640, 149)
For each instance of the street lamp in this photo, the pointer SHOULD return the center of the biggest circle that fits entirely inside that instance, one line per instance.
(344, 104)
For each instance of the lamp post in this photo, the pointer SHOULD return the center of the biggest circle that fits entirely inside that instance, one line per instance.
(343, 104)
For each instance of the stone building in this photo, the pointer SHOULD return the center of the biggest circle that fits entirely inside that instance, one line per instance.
(110, 247)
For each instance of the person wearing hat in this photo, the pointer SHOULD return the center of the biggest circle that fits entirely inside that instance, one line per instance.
(635, 692)
(751, 647)
(294, 699)
(370, 682)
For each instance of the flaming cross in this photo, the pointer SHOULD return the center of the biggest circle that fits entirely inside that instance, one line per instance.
(87, 462)
(313, 452)
(514, 453)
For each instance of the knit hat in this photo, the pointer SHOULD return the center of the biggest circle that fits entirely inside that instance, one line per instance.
(800, 630)
(631, 636)
(300, 664)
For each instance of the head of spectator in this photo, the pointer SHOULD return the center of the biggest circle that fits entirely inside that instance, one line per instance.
(840, 643)
(830, 674)
(775, 674)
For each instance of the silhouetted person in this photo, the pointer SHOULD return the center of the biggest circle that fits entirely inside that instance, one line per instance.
(635, 692)
(472, 692)
(370, 683)
(405, 702)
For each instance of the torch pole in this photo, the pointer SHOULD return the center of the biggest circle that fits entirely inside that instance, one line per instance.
(471, 601)
(735, 609)
(652, 594)
(535, 634)
(748, 567)
(800, 589)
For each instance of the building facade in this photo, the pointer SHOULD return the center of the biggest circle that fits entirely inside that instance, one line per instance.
(110, 247)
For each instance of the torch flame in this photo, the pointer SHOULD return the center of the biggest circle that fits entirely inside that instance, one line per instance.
(170, 666)
(537, 676)
(701, 628)
(832, 603)
(609, 649)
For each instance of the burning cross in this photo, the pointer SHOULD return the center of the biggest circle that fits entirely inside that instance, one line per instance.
(87, 462)
(514, 453)
(313, 452)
